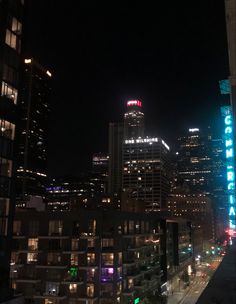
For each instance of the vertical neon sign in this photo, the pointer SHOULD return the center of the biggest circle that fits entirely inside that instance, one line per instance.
(230, 172)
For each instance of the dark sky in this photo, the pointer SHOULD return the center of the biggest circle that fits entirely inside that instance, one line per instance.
(170, 54)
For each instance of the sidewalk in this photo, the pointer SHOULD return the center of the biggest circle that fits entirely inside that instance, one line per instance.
(177, 296)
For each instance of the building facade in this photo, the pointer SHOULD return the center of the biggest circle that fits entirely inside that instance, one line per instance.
(34, 104)
(146, 170)
(116, 137)
(11, 15)
(89, 256)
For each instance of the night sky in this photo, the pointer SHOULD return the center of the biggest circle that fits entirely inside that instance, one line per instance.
(103, 53)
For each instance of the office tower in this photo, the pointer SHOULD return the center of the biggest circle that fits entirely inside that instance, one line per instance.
(146, 171)
(34, 95)
(116, 136)
(11, 14)
(99, 174)
(133, 120)
(194, 162)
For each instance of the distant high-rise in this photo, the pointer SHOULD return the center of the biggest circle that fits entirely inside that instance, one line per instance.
(116, 136)
(35, 88)
(133, 120)
(146, 170)
(11, 15)
(194, 162)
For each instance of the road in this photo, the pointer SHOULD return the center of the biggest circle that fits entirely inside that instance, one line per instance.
(200, 282)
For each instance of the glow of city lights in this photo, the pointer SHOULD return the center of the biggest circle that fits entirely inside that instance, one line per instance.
(193, 130)
(137, 103)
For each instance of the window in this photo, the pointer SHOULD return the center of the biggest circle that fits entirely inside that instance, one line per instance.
(3, 226)
(74, 244)
(16, 26)
(119, 258)
(12, 38)
(90, 274)
(54, 258)
(90, 290)
(74, 259)
(52, 288)
(7, 129)
(5, 167)
(55, 227)
(107, 274)
(107, 258)
(107, 242)
(91, 259)
(33, 244)
(32, 257)
(33, 228)
(4, 206)
(9, 74)
(17, 227)
(9, 91)
(91, 243)
(92, 227)
(73, 288)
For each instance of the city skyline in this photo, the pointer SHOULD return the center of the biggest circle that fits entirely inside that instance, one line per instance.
(172, 59)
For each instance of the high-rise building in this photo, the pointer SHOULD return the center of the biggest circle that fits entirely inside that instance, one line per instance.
(11, 15)
(194, 162)
(34, 95)
(134, 120)
(146, 170)
(116, 136)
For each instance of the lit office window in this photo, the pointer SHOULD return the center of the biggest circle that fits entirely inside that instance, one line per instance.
(33, 244)
(7, 129)
(73, 288)
(16, 26)
(8, 91)
(32, 257)
(90, 290)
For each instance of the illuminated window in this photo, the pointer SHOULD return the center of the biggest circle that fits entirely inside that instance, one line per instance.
(74, 259)
(33, 244)
(16, 26)
(107, 258)
(7, 129)
(9, 91)
(90, 290)
(90, 274)
(11, 39)
(91, 259)
(32, 257)
(73, 288)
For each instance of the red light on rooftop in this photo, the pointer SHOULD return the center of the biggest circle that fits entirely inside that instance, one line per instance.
(134, 103)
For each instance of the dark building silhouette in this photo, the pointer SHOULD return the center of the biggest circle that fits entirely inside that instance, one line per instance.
(11, 15)
(35, 88)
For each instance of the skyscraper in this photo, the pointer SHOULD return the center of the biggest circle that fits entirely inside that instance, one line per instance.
(11, 14)
(116, 136)
(133, 120)
(194, 162)
(35, 88)
(146, 171)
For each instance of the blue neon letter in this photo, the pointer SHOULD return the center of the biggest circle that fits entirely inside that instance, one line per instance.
(228, 120)
(228, 130)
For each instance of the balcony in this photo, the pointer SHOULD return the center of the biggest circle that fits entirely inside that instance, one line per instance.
(73, 281)
(52, 266)
(54, 236)
(28, 280)
(50, 296)
(87, 298)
